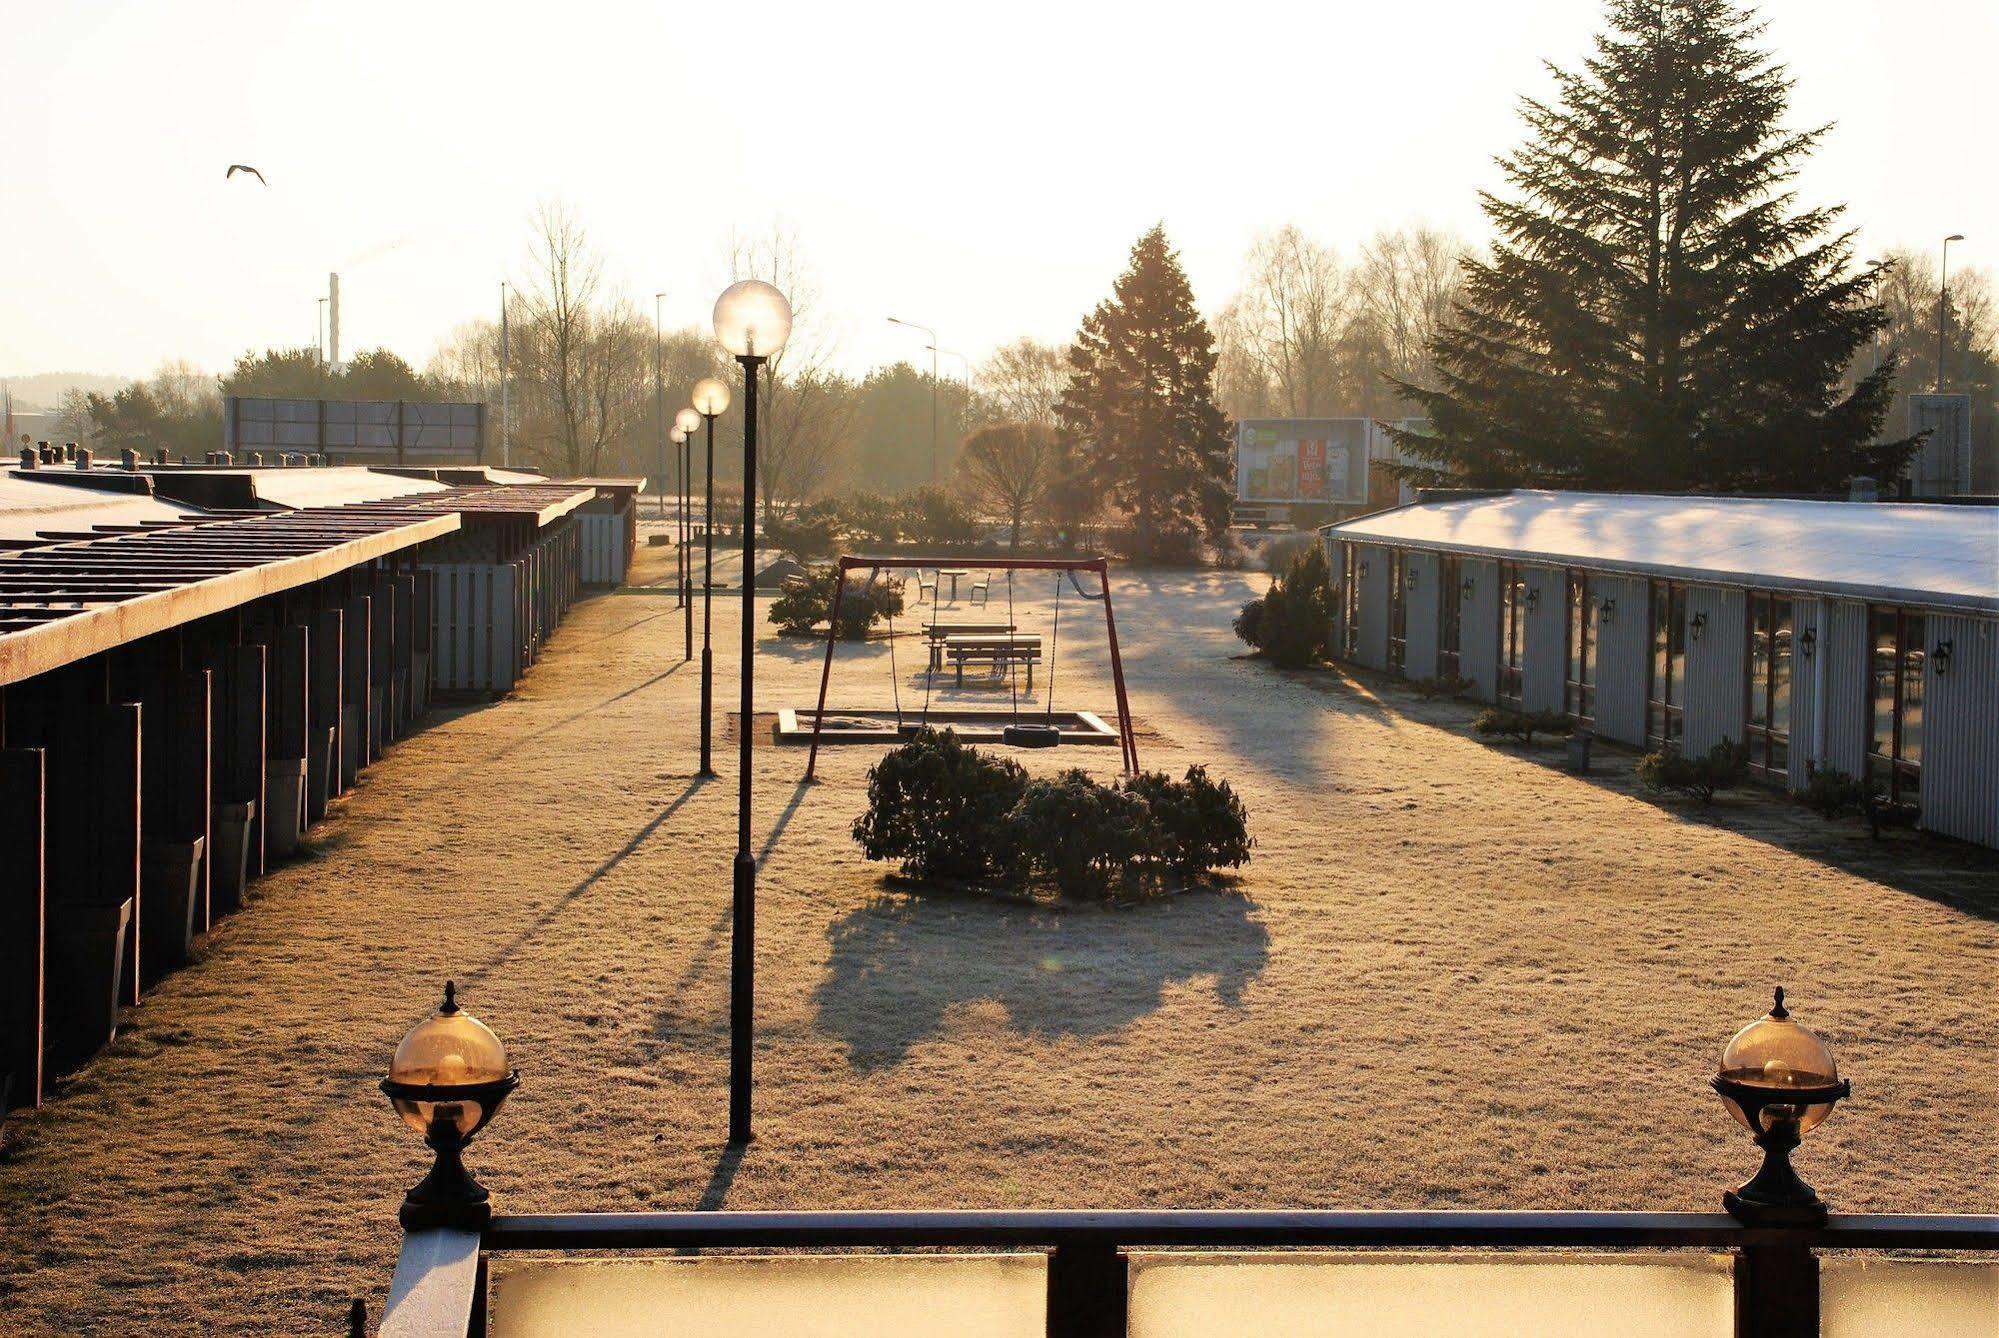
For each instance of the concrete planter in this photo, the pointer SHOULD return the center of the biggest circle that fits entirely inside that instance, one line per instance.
(284, 799)
(170, 903)
(322, 771)
(232, 855)
(86, 964)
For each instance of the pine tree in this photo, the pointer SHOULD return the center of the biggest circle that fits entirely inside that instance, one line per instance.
(1140, 405)
(1657, 312)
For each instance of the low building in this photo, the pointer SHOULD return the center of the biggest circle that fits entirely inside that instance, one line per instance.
(1862, 637)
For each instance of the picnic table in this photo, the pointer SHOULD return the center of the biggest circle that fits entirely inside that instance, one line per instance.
(953, 573)
(939, 633)
(1001, 650)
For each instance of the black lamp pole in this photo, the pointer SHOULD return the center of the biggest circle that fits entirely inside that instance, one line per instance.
(742, 936)
(707, 601)
(686, 542)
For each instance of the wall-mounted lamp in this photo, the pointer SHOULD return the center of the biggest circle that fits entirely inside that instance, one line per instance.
(1940, 657)
(1363, 571)
(1533, 598)
(1808, 642)
(1410, 579)
(1469, 586)
(1605, 610)
(1697, 626)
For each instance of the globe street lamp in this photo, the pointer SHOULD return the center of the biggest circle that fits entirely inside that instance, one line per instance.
(1779, 1081)
(711, 399)
(685, 422)
(679, 439)
(447, 1081)
(752, 321)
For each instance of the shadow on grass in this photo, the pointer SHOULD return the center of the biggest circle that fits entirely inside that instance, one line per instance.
(899, 964)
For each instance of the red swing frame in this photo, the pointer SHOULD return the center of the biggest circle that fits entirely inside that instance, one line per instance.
(1127, 737)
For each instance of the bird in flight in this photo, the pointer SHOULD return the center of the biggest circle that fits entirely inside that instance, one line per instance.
(234, 168)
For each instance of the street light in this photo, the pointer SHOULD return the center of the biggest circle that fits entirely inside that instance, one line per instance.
(684, 423)
(679, 439)
(447, 1081)
(1779, 1081)
(752, 321)
(1943, 287)
(711, 399)
(932, 346)
(659, 392)
(967, 364)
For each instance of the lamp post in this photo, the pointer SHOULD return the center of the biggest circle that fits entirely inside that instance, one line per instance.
(684, 424)
(679, 439)
(447, 1081)
(711, 399)
(1943, 288)
(752, 321)
(966, 363)
(659, 392)
(896, 320)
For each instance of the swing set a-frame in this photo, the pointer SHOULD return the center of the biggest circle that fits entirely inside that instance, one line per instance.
(1021, 732)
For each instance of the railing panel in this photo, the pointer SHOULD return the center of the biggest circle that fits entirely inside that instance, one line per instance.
(1333, 1295)
(774, 1296)
(1888, 1298)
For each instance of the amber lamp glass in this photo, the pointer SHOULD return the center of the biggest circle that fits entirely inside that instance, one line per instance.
(447, 1080)
(752, 319)
(687, 420)
(1780, 1081)
(711, 396)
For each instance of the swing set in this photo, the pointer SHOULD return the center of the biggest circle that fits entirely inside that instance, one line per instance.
(1018, 732)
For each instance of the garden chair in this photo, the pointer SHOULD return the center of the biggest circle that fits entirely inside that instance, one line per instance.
(924, 587)
(982, 588)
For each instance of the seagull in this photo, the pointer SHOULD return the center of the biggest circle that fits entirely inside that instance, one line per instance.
(234, 168)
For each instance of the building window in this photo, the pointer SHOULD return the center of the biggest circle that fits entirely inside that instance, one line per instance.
(1398, 610)
(1665, 699)
(1450, 615)
(1768, 734)
(1512, 631)
(1349, 600)
(1579, 695)
(1895, 743)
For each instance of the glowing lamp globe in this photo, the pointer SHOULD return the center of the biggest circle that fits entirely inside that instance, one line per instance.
(677, 436)
(752, 319)
(711, 396)
(1779, 1081)
(447, 1080)
(687, 420)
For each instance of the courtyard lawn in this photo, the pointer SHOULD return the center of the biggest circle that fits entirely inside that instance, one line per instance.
(1453, 976)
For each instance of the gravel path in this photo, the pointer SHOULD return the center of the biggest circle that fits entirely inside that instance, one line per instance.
(1452, 977)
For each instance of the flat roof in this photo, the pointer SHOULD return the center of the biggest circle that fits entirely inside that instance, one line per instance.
(1937, 555)
(32, 507)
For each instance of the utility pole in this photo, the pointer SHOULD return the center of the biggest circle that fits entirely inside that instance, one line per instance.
(1943, 289)
(895, 320)
(506, 420)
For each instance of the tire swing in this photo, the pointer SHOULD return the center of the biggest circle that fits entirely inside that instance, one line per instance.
(1029, 733)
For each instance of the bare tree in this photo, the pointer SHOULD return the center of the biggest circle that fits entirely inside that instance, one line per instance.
(1408, 282)
(1290, 319)
(806, 419)
(554, 337)
(1021, 382)
(1008, 469)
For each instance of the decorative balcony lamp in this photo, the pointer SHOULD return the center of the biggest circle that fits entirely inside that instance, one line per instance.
(752, 321)
(1779, 1081)
(447, 1081)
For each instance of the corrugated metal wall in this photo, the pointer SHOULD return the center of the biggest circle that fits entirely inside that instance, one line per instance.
(1478, 628)
(1848, 699)
(1717, 668)
(1804, 688)
(1372, 648)
(1961, 729)
(1420, 655)
(473, 636)
(1623, 657)
(1544, 640)
(603, 548)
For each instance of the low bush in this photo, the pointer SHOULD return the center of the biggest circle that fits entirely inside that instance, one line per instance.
(1280, 553)
(871, 517)
(940, 808)
(1723, 767)
(1200, 824)
(1833, 794)
(806, 602)
(808, 535)
(1295, 625)
(944, 810)
(1520, 726)
(936, 516)
(1444, 685)
(1249, 624)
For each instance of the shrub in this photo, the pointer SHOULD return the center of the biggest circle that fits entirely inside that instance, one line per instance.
(1083, 836)
(941, 809)
(1831, 793)
(1199, 825)
(1725, 766)
(805, 603)
(932, 515)
(871, 517)
(1280, 553)
(1445, 685)
(808, 535)
(1520, 726)
(1249, 623)
(1296, 621)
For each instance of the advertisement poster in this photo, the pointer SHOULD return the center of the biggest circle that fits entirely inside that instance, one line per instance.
(1301, 459)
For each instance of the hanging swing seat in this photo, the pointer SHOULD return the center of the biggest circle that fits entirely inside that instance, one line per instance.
(1031, 734)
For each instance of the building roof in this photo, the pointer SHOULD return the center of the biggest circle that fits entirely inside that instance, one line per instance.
(34, 507)
(1936, 555)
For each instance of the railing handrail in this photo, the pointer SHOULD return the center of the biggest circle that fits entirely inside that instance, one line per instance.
(1220, 1228)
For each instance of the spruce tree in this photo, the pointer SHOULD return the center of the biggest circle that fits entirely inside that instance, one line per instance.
(1657, 312)
(1140, 405)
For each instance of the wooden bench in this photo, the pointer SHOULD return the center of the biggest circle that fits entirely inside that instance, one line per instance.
(1001, 651)
(938, 633)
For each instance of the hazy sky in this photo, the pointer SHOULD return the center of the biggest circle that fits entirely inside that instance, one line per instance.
(982, 169)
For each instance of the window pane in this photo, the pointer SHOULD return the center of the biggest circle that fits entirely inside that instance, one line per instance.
(1676, 649)
(1759, 660)
(1334, 1295)
(1915, 652)
(1881, 671)
(1780, 667)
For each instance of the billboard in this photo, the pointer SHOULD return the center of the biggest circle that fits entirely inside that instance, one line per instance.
(358, 431)
(1301, 460)
(1941, 466)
